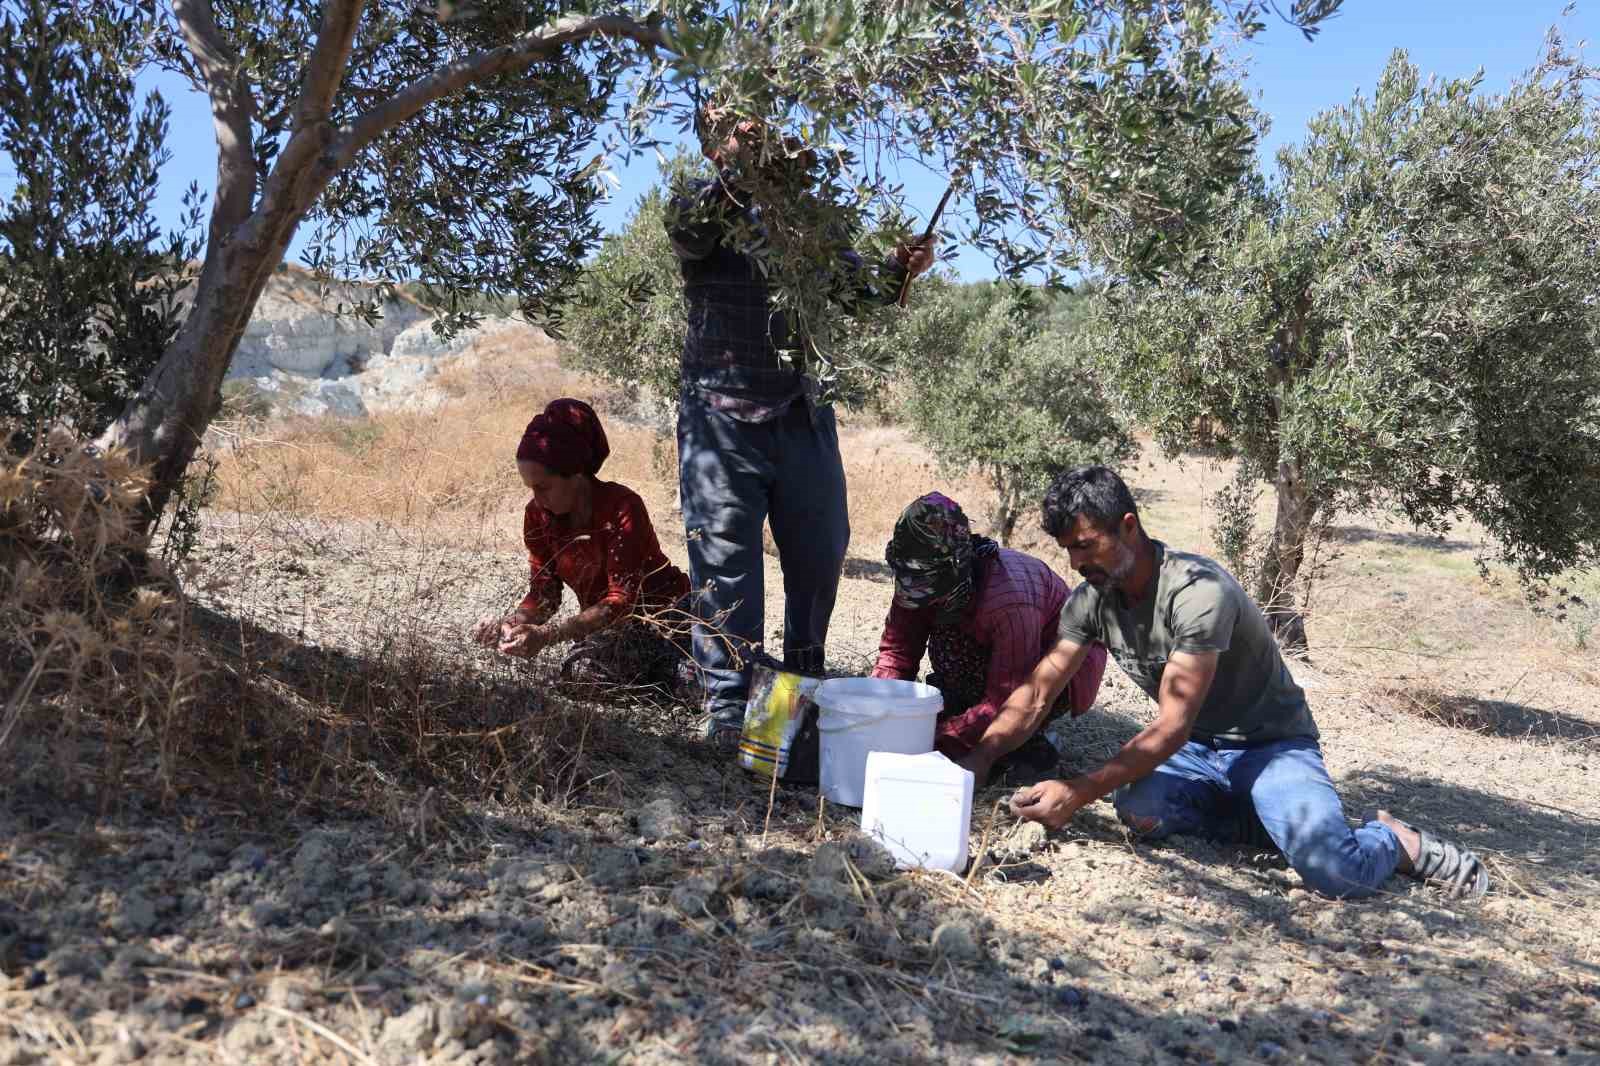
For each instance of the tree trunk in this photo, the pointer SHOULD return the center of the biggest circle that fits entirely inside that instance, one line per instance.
(1297, 507)
(1007, 509)
(1006, 528)
(162, 426)
(1280, 569)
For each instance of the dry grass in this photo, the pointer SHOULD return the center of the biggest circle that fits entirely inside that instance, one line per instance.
(419, 468)
(92, 637)
(402, 727)
(885, 471)
(111, 680)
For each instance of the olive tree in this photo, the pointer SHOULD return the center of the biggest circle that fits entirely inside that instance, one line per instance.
(625, 320)
(453, 145)
(88, 283)
(1000, 383)
(1404, 319)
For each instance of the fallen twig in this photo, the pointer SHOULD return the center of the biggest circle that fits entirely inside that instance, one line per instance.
(323, 1031)
(983, 846)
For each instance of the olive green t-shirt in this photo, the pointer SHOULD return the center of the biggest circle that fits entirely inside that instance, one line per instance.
(1195, 605)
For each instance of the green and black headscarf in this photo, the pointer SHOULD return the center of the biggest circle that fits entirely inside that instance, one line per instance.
(934, 554)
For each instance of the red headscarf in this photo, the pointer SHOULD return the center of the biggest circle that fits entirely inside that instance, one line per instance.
(566, 439)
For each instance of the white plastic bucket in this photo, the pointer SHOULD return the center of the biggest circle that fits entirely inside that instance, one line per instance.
(859, 715)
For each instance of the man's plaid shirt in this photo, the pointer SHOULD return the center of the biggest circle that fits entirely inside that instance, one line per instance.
(730, 355)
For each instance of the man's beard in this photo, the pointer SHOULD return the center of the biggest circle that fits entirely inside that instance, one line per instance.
(1102, 578)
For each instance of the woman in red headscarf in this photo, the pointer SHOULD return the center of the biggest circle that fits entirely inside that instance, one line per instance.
(595, 538)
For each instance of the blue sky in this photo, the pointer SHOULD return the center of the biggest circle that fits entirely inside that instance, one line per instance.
(1293, 79)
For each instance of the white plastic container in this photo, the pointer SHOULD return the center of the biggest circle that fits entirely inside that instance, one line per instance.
(920, 807)
(858, 715)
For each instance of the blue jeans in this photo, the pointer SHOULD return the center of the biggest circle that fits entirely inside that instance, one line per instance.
(733, 476)
(1278, 793)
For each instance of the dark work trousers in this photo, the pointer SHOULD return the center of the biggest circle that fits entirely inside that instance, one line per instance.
(734, 475)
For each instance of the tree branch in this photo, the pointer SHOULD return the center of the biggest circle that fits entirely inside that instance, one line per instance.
(232, 109)
(516, 55)
(328, 61)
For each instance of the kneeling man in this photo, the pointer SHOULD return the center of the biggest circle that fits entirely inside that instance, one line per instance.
(1233, 752)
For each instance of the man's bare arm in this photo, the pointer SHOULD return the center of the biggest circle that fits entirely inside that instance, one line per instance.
(1184, 686)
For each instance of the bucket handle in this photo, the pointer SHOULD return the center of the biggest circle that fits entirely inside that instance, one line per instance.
(824, 727)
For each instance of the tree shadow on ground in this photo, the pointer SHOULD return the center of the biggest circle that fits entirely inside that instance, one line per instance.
(1404, 974)
(585, 944)
(868, 570)
(1541, 850)
(1407, 969)
(1398, 538)
(364, 859)
(1501, 718)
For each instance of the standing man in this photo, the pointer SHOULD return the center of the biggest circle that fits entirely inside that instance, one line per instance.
(1233, 752)
(754, 442)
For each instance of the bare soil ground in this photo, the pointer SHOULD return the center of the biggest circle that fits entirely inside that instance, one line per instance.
(634, 899)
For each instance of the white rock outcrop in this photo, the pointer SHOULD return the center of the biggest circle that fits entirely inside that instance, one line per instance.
(310, 360)
(401, 378)
(295, 331)
(296, 394)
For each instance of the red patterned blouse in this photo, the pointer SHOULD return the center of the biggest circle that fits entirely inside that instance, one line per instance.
(615, 560)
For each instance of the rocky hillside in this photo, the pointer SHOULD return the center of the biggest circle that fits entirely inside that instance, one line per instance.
(301, 356)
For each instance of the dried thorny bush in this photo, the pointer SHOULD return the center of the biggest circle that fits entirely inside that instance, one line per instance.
(92, 634)
(405, 716)
(1433, 704)
(111, 677)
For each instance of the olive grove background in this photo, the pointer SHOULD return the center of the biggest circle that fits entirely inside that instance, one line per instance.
(1402, 320)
